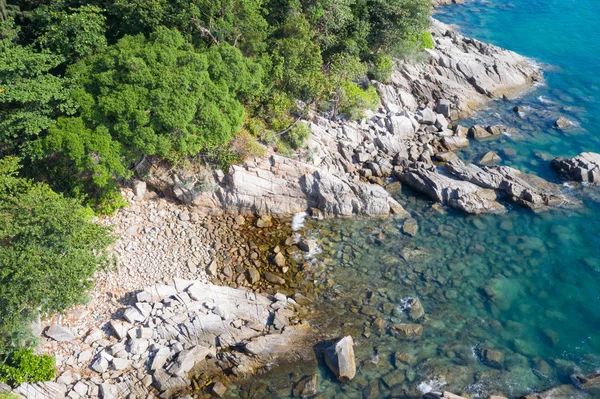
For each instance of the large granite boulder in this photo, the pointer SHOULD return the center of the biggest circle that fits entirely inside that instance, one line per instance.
(585, 167)
(522, 188)
(461, 195)
(339, 357)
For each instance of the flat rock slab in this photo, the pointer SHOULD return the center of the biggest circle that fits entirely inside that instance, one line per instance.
(59, 333)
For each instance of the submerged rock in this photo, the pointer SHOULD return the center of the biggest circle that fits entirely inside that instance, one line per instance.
(415, 309)
(563, 123)
(407, 331)
(307, 386)
(339, 357)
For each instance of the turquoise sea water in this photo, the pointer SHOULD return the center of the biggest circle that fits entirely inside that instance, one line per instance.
(525, 285)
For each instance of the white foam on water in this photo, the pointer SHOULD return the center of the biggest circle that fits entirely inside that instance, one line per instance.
(507, 134)
(434, 384)
(544, 100)
(298, 220)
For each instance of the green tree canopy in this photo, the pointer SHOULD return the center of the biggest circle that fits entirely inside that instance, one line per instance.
(49, 251)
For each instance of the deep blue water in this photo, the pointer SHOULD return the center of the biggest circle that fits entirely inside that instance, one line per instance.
(526, 285)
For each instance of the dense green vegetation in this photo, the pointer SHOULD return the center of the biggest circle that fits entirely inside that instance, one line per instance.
(24, 366)
(88, 88)
(49, 251)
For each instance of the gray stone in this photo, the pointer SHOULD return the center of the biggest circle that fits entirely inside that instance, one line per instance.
(108, 391)
(187, 359)
(279, 260)
(59, 333)
(443, 107)
(160, 358)
(133, 315)
(139, 189)
(339, 357)
(489, 158)
(455, 143)
(81, 388)
(120, 364)
(493, 358)
(415, 309)
(138, 346)
(100, 365)
(426, 116)
(166, 383)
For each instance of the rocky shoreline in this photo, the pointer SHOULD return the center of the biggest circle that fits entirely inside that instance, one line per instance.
(158, 302)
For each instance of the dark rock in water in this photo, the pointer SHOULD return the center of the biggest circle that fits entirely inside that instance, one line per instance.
(561, 391)
(563, 123)
(585, 167)
(307, 386)
(407, 331)
(394, 378)
(493, 358)
(415, 309)
(442, 395)
(589, 383)
(339, 357)
(307, 245)
(489, 158)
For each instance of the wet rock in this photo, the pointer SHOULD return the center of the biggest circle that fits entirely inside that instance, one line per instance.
(273, 278)
(59, 333)
(561, 391)
(458, 194)
(339, 357)
(406, 331)
(489, 158)
(415, 309)
(442, 395)
(493, 358)
(455, 143)
(394, 378)
(562, 123)
(589, 383)
(585, 167)
(307, 245)
(217, 389)
(279, 260)
(264, 221)
(307, 386)
(410, 227)
(524, 189)
(479, 133)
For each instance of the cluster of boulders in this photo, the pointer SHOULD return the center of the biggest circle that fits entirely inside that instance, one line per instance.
(155, 344)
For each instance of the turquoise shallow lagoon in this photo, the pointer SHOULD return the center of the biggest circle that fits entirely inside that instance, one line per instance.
(512, 301)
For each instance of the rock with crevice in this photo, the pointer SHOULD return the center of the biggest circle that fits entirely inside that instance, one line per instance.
(584, 167)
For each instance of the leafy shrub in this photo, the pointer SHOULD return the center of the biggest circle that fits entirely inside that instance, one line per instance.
(426, 40)
(380, 67)
(25, 366)
(354, 99)
(50, 249)
(297, 136)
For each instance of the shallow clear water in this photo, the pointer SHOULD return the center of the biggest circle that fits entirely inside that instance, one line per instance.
(524, 284)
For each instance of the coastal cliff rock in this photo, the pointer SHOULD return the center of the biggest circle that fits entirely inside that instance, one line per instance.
(345, 165)
(585, 167)
(464, 71)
